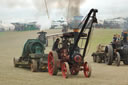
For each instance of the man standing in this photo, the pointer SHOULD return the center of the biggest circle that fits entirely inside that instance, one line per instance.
(55, 45)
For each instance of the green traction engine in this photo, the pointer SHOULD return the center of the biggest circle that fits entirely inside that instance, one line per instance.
(33, 55)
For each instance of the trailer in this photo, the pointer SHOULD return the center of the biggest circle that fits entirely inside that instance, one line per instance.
(99, 55)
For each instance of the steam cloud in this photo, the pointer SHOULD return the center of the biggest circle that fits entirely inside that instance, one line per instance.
(62, 5)
(56, 8)
(65, 8)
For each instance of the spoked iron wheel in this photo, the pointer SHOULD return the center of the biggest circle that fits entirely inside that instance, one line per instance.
(87, 70)
(52, 63)
(65, 69)
(117, 59)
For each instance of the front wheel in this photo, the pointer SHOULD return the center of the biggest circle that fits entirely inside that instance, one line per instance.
(87, 70)
(65, 69)
(109, 55)
(117, 59)
(52, 63)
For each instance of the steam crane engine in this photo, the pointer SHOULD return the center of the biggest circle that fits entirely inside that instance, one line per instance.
(69, 57)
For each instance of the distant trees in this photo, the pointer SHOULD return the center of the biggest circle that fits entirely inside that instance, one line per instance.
(109, 24)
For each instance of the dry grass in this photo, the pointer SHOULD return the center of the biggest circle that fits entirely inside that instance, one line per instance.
(11, 45)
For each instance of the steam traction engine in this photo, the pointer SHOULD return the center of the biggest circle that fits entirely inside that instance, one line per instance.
(33, 55)
(69, 58)
(117, 51)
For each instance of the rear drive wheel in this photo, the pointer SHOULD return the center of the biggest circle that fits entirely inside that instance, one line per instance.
(117, 59)
(34, 65)
(52, 63)
(65, 69)
(87, 70)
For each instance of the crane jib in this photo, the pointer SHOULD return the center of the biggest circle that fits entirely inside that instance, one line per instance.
(93, 20)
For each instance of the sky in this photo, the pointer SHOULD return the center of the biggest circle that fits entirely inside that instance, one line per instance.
(30, 10)
(108, 8)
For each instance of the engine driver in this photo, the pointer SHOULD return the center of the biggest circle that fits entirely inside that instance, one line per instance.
(55, 45)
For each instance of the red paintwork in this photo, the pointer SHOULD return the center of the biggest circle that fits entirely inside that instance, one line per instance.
(86, 69)
(64, 70)
(50, 63)
(78, 58)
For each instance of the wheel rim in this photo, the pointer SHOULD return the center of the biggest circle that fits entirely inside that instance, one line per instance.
(50, 63)
(117, 59)
(109, 55)
(64, 69)
(87, 70)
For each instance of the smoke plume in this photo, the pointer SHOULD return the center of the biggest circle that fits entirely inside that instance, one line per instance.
(74, 8)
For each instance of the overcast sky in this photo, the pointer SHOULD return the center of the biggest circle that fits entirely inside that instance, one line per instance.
(25, 10)
(108, 8)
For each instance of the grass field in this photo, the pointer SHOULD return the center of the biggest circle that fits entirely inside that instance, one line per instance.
(11, 45)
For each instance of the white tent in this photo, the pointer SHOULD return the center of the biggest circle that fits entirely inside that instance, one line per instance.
(7, 27)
